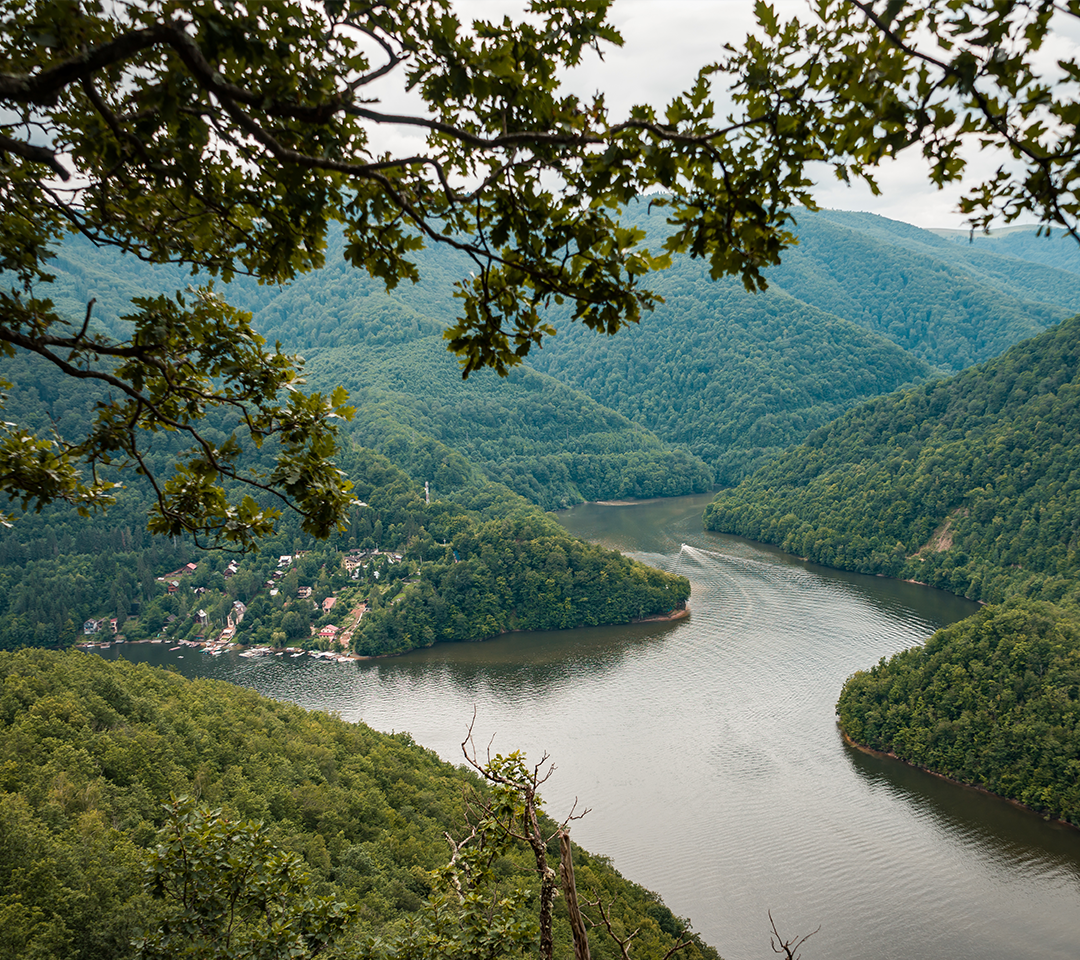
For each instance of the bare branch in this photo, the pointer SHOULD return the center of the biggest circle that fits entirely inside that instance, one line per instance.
(566, 872)
(789, 948)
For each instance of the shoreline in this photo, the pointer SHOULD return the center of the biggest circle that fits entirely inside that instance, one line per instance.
(863, 748)
(670, 617)
(681, 614)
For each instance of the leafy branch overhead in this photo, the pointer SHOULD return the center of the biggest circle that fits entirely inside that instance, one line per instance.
(946, 77)
(229, 137)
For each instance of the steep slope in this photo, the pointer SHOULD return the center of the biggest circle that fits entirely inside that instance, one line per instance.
(971, 484)
(549, 443)
(546, 441)
(91, 751)
(733, 376)
(952, 305)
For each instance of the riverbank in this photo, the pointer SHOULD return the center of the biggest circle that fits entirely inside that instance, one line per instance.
(870, 751)
(681, 614)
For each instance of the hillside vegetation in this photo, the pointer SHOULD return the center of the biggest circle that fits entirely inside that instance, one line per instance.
(949, 304)
(549, 443)
(993, 701)
(715, 375)
(90, 750)
(736, 377)
(475, 561)
(971, 484)
(861, 306)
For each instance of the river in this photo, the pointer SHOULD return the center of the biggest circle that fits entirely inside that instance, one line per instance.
(708, 754)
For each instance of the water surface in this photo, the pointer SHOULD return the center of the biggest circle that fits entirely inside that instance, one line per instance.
(708, 754)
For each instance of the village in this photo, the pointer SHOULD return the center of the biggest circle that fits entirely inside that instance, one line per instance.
(261, 607)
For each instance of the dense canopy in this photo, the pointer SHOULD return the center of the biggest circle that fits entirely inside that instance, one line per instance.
(227, 137)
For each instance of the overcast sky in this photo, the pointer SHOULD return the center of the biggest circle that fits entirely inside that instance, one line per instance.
(666, 41)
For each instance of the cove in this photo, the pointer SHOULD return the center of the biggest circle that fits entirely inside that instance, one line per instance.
(708, 753)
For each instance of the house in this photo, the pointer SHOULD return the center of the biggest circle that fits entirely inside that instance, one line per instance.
(284, 561)
(112, 624)
(353, 560)
(329, 631)
(202, 617)
(328, 604)
(230, 570)
(186, 570)
(91, 627)
(236, 615)
(303, 593)
(174, 585)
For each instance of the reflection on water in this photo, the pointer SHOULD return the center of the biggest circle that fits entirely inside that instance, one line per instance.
(708, 752)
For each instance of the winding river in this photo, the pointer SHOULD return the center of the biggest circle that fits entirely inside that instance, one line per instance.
(708, 754)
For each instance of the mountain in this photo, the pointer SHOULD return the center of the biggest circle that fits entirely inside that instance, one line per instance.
(553, 445)
(971, 483)
(548, 442)
(735, 377)
(862, 305)
(92, 751)
(950, 304)
(1054, 249)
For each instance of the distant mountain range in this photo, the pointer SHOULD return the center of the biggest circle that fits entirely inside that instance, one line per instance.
(706, 389)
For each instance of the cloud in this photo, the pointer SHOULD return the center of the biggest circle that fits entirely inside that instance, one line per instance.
(665, 45)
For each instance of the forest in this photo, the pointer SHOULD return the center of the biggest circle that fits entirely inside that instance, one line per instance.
(92, 751)
(970, 484)
(993, 701)
(477, 564)
(958, 480)
(715, 383)
(965, 483)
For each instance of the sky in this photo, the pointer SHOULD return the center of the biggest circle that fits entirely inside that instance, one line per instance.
(666, 41)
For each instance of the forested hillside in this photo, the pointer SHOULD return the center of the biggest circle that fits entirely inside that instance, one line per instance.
(723, 375)
(950, 304)
(737, 377)
(465, 567)
(91, 750)
(1054, 249)
(993, 700)
(476, 561)
(547, 442)
(971, 484)
(734, 376)
(543, 440)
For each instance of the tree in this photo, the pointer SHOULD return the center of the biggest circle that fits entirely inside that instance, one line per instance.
(886, 75)
(228, 892)
(229, 137)
(512, 813)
